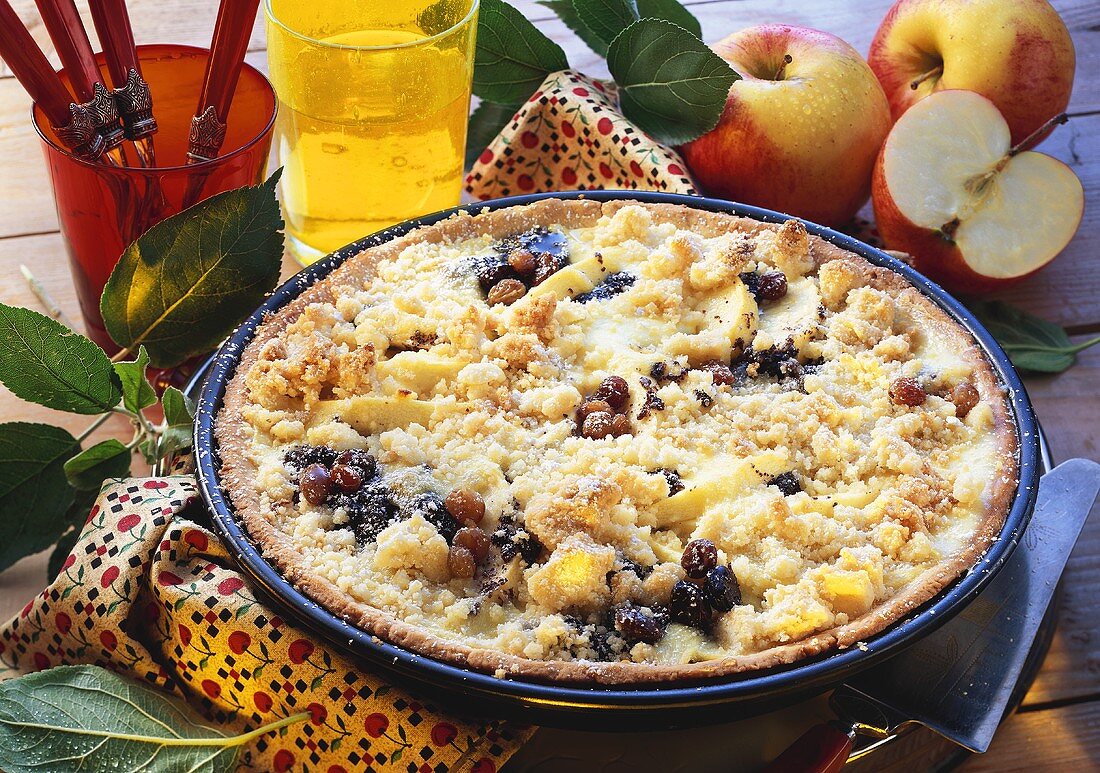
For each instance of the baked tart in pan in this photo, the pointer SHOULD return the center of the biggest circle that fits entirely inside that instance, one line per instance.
(616, 442)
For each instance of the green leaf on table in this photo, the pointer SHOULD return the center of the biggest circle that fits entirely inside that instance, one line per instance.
(46, 363)
(1031, 342)
(486, 122)
(565, 12)
(606, 18)
(179, 421)
(512, 56)
(187, 281)
(137, 392)
(670, 10)
(89, 719)
(34, 494)
(670, 84)
(107, 459)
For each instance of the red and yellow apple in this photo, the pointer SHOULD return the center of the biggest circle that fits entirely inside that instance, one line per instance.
(1018, 54)
(800, 131)
(973, 211)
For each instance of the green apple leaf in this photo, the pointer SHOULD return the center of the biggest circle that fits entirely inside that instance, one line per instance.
(512, 56)
(486, 122)
(34, 494)
(185, 283)
(568, 16)
(179, 419)
(670, 10)
(107, 459)
(88, 719)
(137, 392)
(179, 409)
(606, 18)
(671, 85)
(46, 363)
(1031, 342)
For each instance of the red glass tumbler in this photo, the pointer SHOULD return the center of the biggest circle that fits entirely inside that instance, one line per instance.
(102, 209)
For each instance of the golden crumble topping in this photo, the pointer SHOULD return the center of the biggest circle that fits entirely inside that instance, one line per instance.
(674, 445)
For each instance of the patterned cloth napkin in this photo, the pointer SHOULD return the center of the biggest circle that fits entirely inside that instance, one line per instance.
(151, 594)
(570, 135)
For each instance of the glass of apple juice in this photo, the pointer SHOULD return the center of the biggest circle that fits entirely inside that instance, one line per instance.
(374, 98)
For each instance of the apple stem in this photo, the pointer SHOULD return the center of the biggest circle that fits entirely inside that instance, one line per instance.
(935, 72)
(1026, 142)
(787, 59)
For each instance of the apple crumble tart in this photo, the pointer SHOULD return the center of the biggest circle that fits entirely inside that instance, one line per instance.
(616, 442)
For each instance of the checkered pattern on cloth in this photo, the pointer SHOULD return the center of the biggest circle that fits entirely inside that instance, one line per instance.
(153, 595)
(570, 135)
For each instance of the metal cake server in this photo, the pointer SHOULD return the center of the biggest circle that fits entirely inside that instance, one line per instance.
(958, 680)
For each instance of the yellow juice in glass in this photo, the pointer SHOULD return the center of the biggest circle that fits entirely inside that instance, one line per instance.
(373, 106)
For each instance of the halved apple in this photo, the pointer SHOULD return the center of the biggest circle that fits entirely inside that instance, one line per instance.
(974, 213)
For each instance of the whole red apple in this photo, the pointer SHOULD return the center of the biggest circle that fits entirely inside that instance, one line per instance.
(973, 211)
(1018, 54)
(800, 131)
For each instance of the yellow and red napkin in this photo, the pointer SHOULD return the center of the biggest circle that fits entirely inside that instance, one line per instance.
(149, 593)
(570, 135)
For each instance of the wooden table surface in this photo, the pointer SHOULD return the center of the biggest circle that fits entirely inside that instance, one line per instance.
(1059, 724)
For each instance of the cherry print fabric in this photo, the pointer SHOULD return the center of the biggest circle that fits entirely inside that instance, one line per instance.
(153, 595)
(570, 135)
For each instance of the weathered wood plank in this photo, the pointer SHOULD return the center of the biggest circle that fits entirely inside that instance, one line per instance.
(1070, 413)
(1062, 739)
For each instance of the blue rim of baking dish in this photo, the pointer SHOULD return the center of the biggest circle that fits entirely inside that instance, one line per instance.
(552, 700)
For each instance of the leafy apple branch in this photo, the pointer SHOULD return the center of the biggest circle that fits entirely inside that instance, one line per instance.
(174, 294)
(671, 84)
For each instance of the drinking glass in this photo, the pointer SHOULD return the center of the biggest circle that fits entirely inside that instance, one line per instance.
(373, 104)
(102, 209)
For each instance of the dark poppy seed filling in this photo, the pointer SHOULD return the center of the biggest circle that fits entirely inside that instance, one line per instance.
(370, 510)
(537, 241)
(787, 483)
(612, 285)
(652, 401)
(297, 458)
(430, 505)
(751, 280)
(675, 482)
(514, 541)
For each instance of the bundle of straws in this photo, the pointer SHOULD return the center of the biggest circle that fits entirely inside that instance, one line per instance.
(95, 121)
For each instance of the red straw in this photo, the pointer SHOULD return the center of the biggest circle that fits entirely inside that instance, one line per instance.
(72, 44)
(132, 96)
(37, 76)
(227, 50)
(112, 24)
(71, 41)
